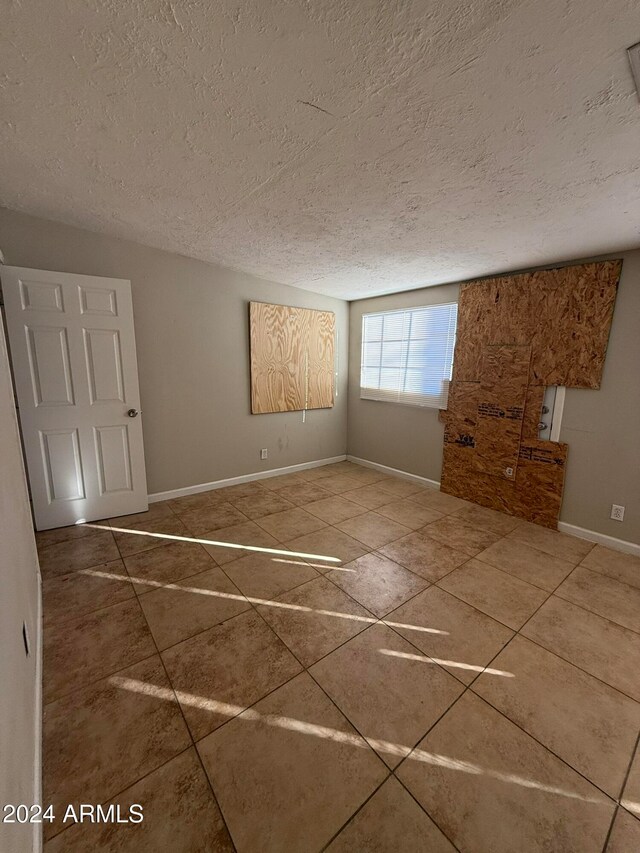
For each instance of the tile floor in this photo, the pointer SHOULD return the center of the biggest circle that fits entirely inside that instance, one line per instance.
(341, 661)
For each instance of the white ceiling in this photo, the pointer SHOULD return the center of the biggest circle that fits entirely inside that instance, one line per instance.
(351, 148)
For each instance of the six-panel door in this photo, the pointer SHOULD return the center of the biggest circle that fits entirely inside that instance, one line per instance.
(73, 353)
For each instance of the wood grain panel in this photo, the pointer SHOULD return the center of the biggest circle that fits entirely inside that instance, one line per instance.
(292, 358)
(503, 390)
(321, 359)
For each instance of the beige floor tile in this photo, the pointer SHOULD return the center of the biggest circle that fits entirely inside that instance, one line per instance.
(425, 556)
(185, 608)
(377, 582)
(258, 505)
(335, 509)
(583, 721)
(371, 496)
(527, 563)
(166, 565)
(269, 575)
(274, 484)
(600, 647)
(489, 786)
(303, 493)
(100, 740)
(315, 618)
(71, 555)
(178, 805)
(201, 500)
(290, 524)
(625, 834)
(140, 537)
(451, 531)
(488, 519)
(552, 542)
(347, 467)
(339, 483)
(68, 596)
(227, 668)
(390, 693)
(367, 476)
(216, 542)
(409, 513)
(199, 521)
(614, 564)
(499, 595)
(391, 822)
(454, 634)
(289, 772)
(241, 490)
(156, 511)
(92, 646)
(329, 542)
(312, 475)
(631, 794)
(64, 534)
(401, 488)
(605, 596)
(440, 501)
(373, 530)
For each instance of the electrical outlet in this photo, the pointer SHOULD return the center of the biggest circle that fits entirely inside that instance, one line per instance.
(264, 453)
(617, 512)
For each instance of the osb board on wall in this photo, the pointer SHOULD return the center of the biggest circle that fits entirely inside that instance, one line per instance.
(535, 495)
(564, 314)
(292, 358)
(503, 391)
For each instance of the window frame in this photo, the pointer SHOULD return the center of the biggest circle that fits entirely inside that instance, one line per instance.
(400, 396)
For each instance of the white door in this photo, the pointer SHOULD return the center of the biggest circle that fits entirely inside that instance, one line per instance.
(73, 352)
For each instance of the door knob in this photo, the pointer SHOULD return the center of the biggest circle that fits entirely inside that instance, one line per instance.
(133, 413)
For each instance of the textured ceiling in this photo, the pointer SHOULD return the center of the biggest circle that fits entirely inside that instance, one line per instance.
(351, 148)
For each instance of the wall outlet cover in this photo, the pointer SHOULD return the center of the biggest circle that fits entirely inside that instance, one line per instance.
(264, 453)
(617, 512)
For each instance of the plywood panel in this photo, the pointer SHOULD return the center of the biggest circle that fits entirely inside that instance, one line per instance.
(536, 493)
(532, 411)
(321, 359)
(565, 314)
(292, 358)
(503, 390)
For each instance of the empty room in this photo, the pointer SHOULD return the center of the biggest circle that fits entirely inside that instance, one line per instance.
(320, 427)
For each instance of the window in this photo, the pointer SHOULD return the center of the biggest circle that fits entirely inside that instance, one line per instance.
(407, 355)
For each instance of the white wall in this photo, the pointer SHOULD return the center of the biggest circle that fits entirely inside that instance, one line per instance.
(20, 710)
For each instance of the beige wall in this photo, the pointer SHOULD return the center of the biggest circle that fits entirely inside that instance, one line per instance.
(601, 427)
(19, 598)
(191, 323)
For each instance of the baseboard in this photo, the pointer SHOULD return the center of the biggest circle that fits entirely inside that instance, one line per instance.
(600, 538)
(245, 478)
(395, 472)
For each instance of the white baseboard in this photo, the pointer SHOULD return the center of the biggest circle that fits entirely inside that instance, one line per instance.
(600, 538)
(395, 472)
(245, 478)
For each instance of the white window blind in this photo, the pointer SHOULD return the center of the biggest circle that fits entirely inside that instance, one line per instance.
(407, 355)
